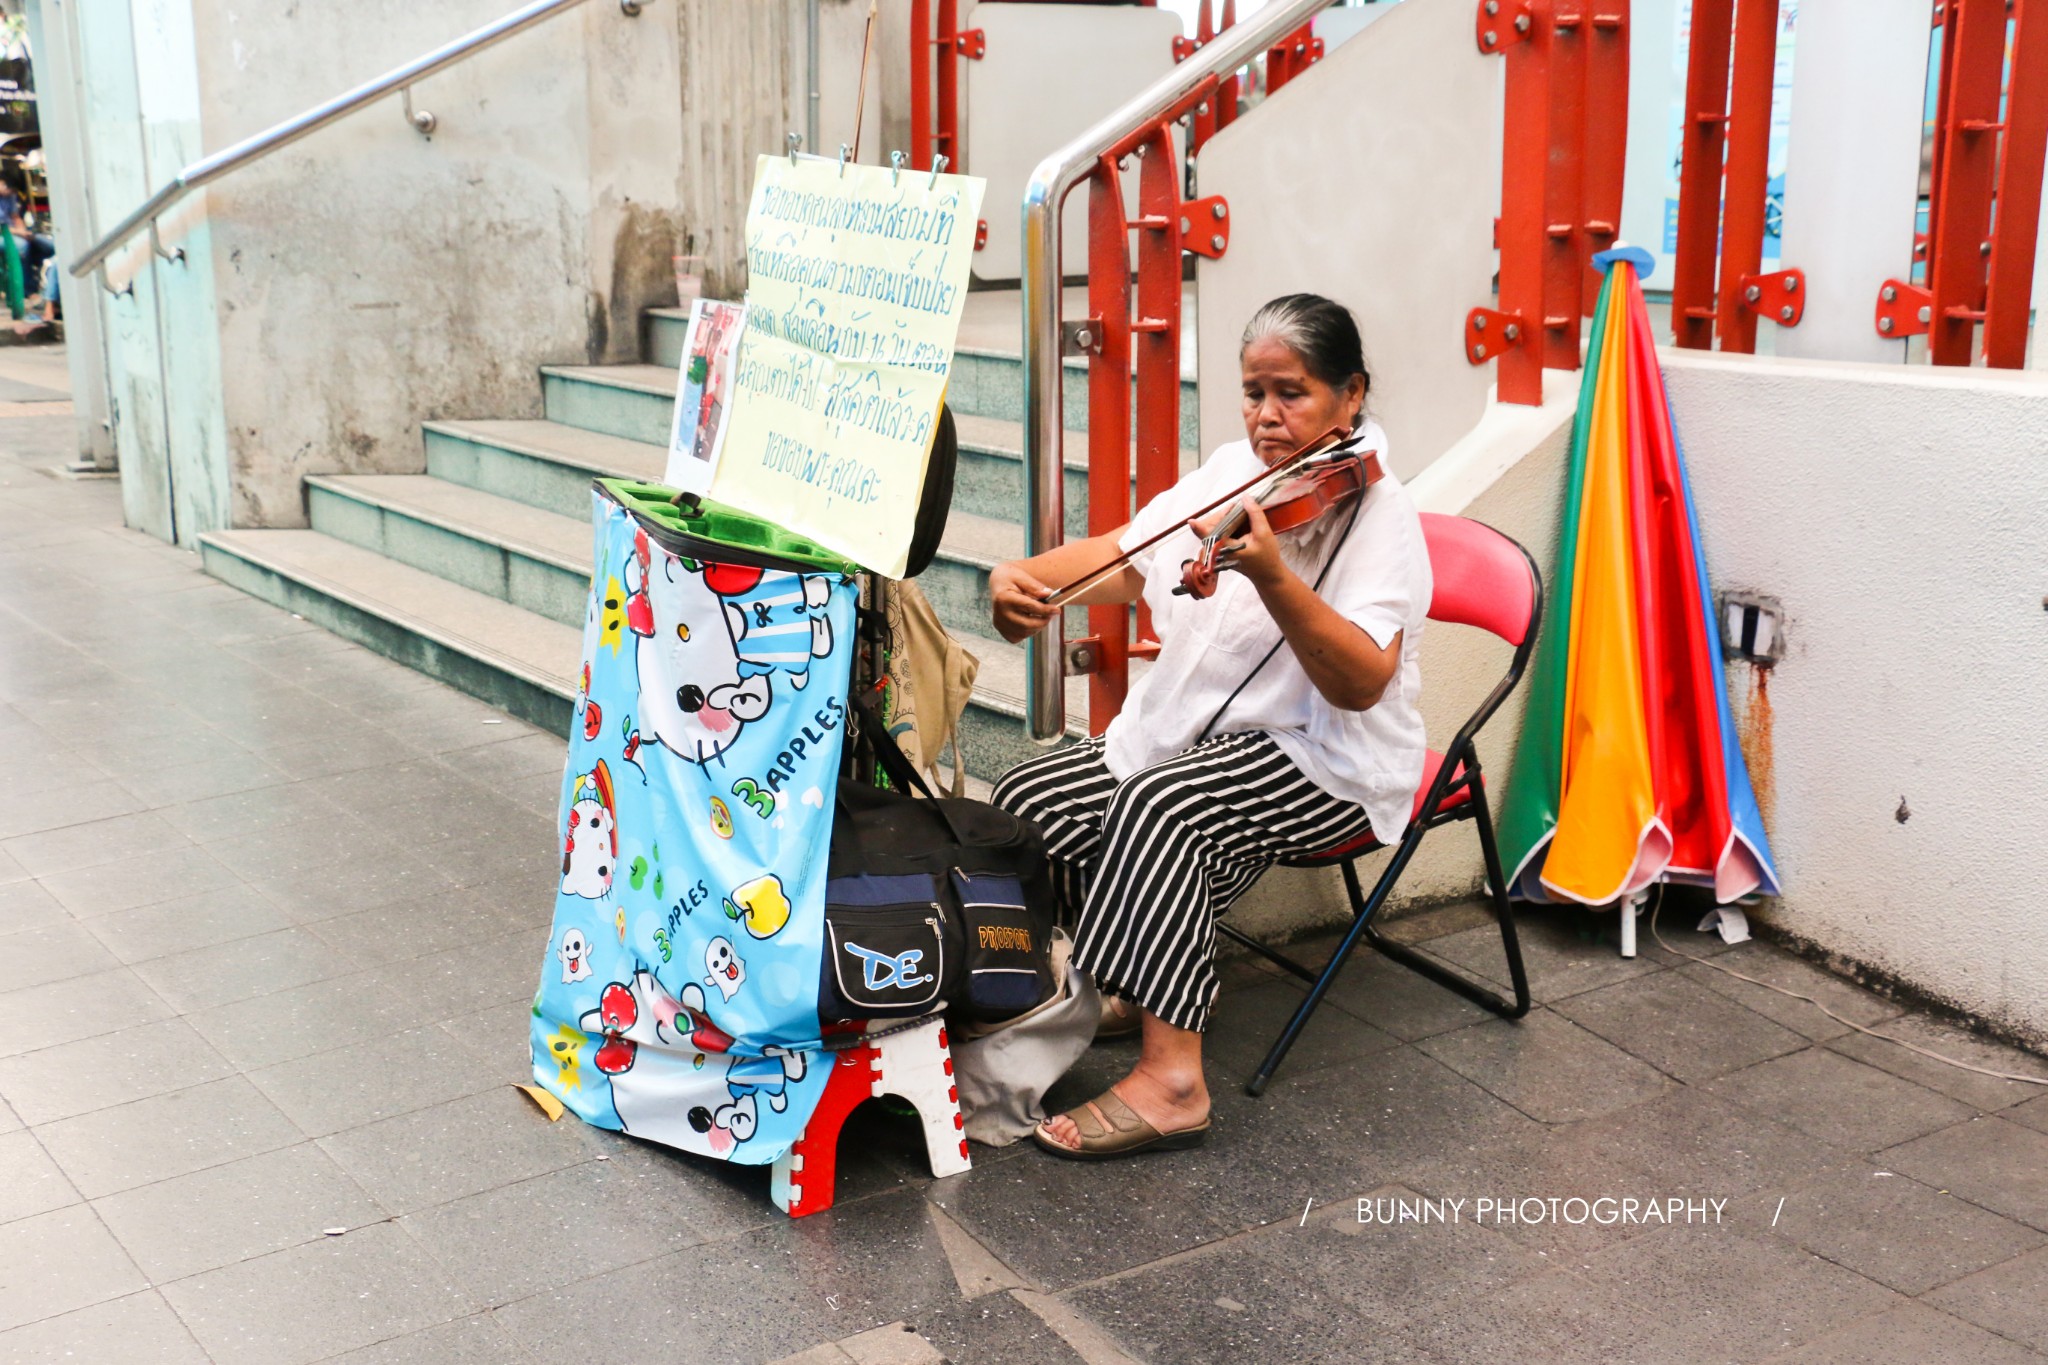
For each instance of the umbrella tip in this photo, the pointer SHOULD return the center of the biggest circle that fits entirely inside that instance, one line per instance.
(1643, 261)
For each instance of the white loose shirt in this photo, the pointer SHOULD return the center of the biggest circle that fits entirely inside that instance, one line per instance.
(1380, 580)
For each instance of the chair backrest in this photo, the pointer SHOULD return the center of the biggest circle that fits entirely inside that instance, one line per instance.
(1483, 578)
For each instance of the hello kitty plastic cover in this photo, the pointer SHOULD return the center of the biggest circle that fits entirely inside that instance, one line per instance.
(678, 998)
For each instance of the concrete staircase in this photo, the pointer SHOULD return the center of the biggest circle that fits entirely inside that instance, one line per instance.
(476, 571)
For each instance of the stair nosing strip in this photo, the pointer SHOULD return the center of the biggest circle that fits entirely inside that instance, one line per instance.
(447, 426)
(569, 372)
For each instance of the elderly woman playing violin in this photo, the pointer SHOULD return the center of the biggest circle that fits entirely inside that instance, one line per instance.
(1278, 719)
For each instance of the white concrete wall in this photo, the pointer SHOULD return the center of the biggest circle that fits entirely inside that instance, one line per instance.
(1901, 515)
(1372, 179)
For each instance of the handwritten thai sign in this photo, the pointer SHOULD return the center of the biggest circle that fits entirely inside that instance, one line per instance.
(856, 281)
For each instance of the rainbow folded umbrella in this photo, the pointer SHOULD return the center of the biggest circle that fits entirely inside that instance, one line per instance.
(1628, 771)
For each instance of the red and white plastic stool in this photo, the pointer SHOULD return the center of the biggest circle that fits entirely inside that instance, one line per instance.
(915, 1065)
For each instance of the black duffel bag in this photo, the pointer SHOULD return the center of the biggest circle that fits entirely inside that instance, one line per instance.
(932, 902)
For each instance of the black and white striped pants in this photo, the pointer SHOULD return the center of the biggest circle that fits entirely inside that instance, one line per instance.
(1145, 866)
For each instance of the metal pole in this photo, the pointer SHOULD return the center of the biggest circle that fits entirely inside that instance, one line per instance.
(1046, 192)
(811, 76)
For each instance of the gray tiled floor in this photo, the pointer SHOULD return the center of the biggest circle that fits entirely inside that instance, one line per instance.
(236, 1015)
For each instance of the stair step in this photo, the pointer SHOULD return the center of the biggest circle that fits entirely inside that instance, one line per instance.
(518, 554)
(490, 649)
(637, 402)
(536, 462)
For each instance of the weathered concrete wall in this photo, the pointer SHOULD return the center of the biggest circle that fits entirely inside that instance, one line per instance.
(369, 277)
(1901, 515)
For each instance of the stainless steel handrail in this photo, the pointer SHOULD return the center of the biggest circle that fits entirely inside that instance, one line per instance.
(255, 148)
(1045, 708)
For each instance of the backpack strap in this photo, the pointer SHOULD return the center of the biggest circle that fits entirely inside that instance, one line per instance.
(888, 753)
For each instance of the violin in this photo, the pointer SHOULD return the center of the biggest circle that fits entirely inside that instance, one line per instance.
(1289, 501)
(1297, 490)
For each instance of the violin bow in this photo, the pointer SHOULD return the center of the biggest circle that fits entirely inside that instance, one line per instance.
(1328, 446)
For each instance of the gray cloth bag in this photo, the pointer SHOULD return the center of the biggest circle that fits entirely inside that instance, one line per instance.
(1003, 1070)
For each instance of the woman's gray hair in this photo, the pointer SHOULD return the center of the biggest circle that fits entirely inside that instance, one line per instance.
(1321, 331)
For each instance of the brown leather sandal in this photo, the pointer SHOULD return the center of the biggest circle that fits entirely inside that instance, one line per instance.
(1110, 1128)
(1120, 1018)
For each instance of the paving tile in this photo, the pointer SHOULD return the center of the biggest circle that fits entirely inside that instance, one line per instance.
(2006, 1298)
(1710, 1293)
(1911, 1334)
(410, 928)
(1982, 1092)
(1682, 1144)
(1838, 1100)
(476, 1340)
(1304, 1289)
(1769, 963)
(9, 1121)
(245, 814)
(592, 1218)
(353, 883)
(227, 972)
(60, 1261)
(176, 926)
(30, 1182)
(1678, 1026)
(99, 841)
(302, 1020)
(82, 1007)
(1897, 1231)
(2001, 1166)
(500, 1037)
(219, 775)
(114, 1068)
(1564, 951)
(995, 1329)
(466, 980)
(1246, 1022)
(74, 799)
(459, 1148)
(341, 1293)
(228, 1213)
(139, 758)
(1546, 1066)
(53, 953)
(138, 1327)
(345, 748)
(165, 1136)
(754, 1297)
(11, 870)
(24, 904)
(2034, 1114)
(144, 879)
(379, 1079)
(304, 848)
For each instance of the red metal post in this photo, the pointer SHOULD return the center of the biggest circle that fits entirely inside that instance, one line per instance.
(1945, 78)
(1525, 153)
(1109, 424)
(1968, 131)
(920, 85)
(1564, 186)
(1606, 135)
(1156, 332)
(1226, 94)
(2008, 295)
(1702, 130)
(1749, 171)
(946, 136)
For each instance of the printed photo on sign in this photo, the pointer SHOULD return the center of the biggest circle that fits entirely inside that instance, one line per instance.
(704, 393)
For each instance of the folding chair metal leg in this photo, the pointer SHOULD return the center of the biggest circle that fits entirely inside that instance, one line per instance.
(1512, 945)
(1362, 911)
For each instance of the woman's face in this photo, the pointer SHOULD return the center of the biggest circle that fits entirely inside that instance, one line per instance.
(1286, 407)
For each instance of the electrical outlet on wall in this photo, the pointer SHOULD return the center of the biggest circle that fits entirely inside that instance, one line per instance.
(1752, 628)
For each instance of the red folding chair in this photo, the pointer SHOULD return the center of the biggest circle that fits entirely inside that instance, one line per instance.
(1487, 580)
